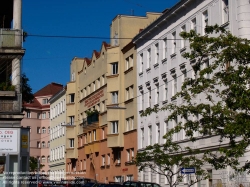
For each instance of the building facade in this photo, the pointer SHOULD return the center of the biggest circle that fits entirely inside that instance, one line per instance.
(162, 69)
(37, 118)
(14, 150)
(101, 107)
(57, 163)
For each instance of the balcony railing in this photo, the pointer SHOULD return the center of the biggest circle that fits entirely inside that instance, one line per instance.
(10, 104)
(11, 38)
(92, 118)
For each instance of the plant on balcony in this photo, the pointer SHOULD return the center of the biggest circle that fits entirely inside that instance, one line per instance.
(92, 116)
(6, 86)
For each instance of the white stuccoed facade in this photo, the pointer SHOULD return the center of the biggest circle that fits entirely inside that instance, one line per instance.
(161, 70)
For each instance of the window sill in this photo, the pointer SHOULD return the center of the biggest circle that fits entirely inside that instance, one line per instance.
(141, 73)
(103, 166)
(128, 70)
(183, 49)
(164, 102)
(118, 164)
(129, 101)
(112, 76)
(163, 61)
(156, 105)
(173, 55)
(173, 98)
(148, 70)
(156, 65)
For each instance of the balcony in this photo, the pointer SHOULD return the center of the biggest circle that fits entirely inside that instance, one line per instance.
(93, 118)
(10, 38)
(10, 102)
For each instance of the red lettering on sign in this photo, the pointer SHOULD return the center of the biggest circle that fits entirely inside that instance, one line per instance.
(94, 99)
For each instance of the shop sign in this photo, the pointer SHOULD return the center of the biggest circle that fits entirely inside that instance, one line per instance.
(8, 141)
(25, 141)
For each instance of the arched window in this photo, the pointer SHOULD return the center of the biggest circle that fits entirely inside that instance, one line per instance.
(48, 130)
(43, 144)
(43, 159)
(43, 130)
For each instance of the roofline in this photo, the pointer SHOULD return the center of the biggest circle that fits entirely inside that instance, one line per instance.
(57, 95)
(163, 17)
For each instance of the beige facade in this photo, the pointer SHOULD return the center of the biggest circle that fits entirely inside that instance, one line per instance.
(57, 135)
(107, 141)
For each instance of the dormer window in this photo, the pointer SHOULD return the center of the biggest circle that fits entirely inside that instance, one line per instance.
(45, 101)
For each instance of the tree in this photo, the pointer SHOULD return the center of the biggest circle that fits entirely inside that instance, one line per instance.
(223, 112)
(27, 95)
(34, 164)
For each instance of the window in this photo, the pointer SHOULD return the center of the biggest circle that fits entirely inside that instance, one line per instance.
(183, 42)
(193, 25)
(90, 137)
(150, 135)
(44, 115)
(127, 63)
(38, 144)
(114, 127)
(165, 90)
(71, 120)
(206, 65)
(94, 135)
(28, 114)
(43, 159)
(225, 11)
(156, 53)
(118, 157)
(103, 133)
(38, 130)
(71, 98)
(129, 92)
(98, 85)
(130, 178)
(38, 115)
(149, 97)
(174, 42)
(149, 58)
(93, 86)
(128, 154)
(43, 144)
(131, 61)
(103, 80)
(165, 52)
(48, 159)
(71, 142)
(73, 76)
(48, 130)
(141, 62)
(205, 21)
(157, 94)
(127, 124)
(158, 133)
(45, 101)
(43, 130)
(48, 143)
(108, 160)
(114, 97)
(174, 86)
(142, 137)
(142, 100)
(103, 160)
(114, 70)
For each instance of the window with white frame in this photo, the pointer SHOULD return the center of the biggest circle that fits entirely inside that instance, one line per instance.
(71, 120)
(225, 10)
(130, 178)
(114, 69)
(205, 21)
(174, 42)
(158, 135)
(71, 98)
(38, 130)
(103, 160)
(93, 86)
(43, 159)
(28, 114)
(84, 92)
(183, 42)
(165, 90)
(103, 80)
(131, 60)
(157, 97)
(103, 133)
(43, 130)
(43, 144)
(94, 135)
(114, 97)
(114, 127)
(127, 93)
(150, 142)
(193, 25)
(141, 62)
(48, 144)
(142, 137)
(128, 154)
(71, 143)
(174, 87)
(90, 137)
(142, 100)
(149, 97)
(44, 115)
(149, 58)
(108, 159)
(165, 51)
(38, 144)
(156, 53)
(127, 63)
(45, 101)
(98, 85)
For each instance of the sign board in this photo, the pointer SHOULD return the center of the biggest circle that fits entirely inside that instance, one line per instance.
(187, 170)
(9, 141)
(94, 99)
(25, 141)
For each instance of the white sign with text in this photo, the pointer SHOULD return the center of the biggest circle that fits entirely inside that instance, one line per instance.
(8, 141)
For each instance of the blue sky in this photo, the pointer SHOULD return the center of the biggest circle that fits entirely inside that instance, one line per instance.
(48, 59)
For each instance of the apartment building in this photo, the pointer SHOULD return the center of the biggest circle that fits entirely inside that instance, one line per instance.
(37, 118)
(103, 87)
(162, 70)
(14, 148)
(57, 163)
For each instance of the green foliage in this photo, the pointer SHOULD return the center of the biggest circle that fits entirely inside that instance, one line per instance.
(34, 164)
(223, 112)
(27, 94)
(91, 112)
(6, 86)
